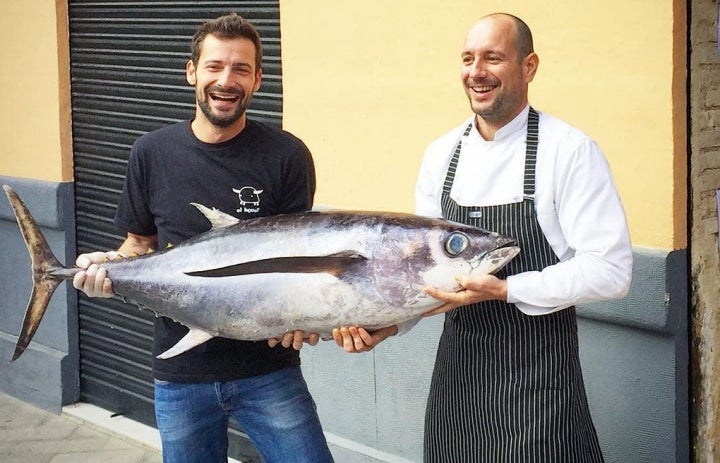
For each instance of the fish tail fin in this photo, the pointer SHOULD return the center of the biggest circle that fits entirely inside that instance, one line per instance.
(47, 271)
(41, 294)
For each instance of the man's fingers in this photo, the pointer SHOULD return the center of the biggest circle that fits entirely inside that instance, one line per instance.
(348, 341)
(100, 277)
(441, 295)
(85, 260)
(93, 282)
(357, 340)
(78, 280)
(107, 287)
(366, 337)
(337, 337)
(298, 339)
(287, 339)
(98, 282)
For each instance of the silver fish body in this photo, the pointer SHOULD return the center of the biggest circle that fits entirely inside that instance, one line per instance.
(260, 278)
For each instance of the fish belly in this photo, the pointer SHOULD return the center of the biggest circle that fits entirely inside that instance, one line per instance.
(255, 307)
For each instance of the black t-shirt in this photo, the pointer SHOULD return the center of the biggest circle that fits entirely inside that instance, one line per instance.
(262, 171)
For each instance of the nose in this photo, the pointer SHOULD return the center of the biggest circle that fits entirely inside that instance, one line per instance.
(477, 68)
(224, 78)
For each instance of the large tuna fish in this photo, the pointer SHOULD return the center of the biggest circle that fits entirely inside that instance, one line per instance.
(260, 278)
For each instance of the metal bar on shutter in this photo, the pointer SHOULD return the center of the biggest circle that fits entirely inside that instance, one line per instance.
(128, 78)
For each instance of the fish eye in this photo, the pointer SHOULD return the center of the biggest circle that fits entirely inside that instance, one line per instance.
(456, 243)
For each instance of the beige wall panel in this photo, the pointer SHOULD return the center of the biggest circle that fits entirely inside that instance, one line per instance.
(34, 90)
(368, 85)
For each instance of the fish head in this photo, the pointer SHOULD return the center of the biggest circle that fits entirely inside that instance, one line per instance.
(462, 250)
(433, 253)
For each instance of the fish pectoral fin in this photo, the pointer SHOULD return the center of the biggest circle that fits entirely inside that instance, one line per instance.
(334, 264)
(193, 338)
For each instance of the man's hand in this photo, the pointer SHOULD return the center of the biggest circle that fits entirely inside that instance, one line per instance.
(296, 339)
(93, 281)
(357, 339)
(474, 289)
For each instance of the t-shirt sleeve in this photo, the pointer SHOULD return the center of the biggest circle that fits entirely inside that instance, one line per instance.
(299, 181)
(133, 214)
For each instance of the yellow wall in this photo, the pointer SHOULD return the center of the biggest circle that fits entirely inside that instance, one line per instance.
(34, 90)
(369, 84)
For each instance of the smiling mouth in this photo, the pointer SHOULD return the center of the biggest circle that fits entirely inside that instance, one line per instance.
(482, 88)
(224, 97)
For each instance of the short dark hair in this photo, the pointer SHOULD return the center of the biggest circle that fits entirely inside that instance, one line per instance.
(524, 36)
(231, 26)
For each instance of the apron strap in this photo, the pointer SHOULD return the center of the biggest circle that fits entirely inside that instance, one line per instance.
(450, 175)
(531, 144)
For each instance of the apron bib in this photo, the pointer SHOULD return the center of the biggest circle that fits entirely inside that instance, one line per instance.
(507, 387)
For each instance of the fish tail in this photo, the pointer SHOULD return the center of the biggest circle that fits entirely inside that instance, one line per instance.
(47, 271)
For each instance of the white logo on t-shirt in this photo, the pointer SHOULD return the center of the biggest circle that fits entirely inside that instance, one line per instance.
(249, 196)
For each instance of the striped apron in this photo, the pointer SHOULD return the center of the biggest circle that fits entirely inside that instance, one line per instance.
(507, 387)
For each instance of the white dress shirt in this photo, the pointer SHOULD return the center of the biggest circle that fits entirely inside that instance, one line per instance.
(577, 205)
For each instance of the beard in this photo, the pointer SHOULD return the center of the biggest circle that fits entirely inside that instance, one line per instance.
(489, 111)
(500, 110)
(224, 119)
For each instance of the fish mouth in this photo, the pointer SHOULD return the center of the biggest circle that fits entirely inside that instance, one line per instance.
(492, 261)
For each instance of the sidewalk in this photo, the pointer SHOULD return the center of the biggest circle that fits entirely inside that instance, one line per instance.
(32, 435)
(85, 433)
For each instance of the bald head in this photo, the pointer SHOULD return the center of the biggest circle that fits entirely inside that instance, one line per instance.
(522, 36)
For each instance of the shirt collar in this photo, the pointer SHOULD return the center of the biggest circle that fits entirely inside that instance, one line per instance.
(519, 123)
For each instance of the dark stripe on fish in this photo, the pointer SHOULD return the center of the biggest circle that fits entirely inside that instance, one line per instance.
(335, 264)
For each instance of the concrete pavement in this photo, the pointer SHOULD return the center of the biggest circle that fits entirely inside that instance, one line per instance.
(32, 435)
(85, 433)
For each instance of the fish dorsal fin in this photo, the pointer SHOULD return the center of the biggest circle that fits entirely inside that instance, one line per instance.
(193, 338)
(217, 218)
(334, 264)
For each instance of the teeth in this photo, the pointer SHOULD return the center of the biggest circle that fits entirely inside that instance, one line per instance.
(482, 89)
(223, 98)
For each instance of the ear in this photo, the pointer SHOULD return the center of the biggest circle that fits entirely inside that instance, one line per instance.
(530, 65)
(258, 80)
(190, 73)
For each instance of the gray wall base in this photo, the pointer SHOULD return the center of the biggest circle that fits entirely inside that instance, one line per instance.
(47, 374)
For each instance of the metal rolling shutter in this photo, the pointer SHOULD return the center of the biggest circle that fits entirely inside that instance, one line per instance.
(127, 70)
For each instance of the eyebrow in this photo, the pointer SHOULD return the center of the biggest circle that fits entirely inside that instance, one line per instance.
(484, 52)
(241, 64)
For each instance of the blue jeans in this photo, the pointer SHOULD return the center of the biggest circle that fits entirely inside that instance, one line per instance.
(275, 410)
